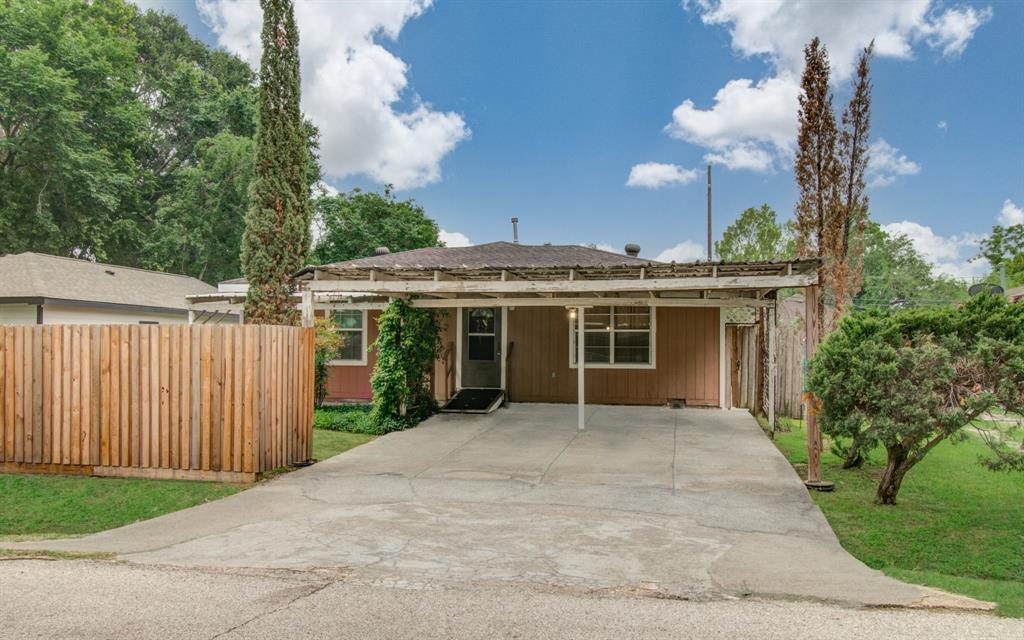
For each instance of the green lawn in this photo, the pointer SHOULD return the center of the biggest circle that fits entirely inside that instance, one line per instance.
(956, 526)
(331, 443)
(49, 506)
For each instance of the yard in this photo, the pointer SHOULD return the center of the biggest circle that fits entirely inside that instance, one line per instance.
(956, 526)
(51, 506)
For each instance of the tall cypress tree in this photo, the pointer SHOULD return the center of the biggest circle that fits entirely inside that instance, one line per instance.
(846, 277)
(817, 169)
(276, 239)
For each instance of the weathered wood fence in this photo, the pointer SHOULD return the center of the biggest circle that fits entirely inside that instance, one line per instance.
(750, 349)
(167, 401)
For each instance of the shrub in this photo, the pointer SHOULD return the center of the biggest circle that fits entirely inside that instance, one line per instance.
(351, 418)
(907, 380)
(328, 340)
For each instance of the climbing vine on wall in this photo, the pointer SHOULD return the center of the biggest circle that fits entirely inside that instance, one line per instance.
(408, 342)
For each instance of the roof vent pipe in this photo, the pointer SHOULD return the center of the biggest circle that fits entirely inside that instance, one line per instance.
(632, 250)
(515, 230)
(381, 251)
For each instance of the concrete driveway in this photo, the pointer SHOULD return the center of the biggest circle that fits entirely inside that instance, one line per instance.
(687, 503)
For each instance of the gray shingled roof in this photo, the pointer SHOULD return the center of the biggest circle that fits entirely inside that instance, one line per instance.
(495, 255)
(37, 275)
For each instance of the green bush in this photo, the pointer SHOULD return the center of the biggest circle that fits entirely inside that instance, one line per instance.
(908, 380)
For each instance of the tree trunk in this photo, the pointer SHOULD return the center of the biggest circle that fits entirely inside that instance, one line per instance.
(854, 459)
(897, 464)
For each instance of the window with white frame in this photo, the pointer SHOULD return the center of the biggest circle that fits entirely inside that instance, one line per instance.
(352, 327)
(615, 337)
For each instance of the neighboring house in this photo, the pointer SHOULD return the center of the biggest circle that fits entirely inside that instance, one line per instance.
(36, 288)
(654, 333)
(1015, 294)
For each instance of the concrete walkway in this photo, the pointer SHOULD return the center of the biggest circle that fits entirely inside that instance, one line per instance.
(687, 503)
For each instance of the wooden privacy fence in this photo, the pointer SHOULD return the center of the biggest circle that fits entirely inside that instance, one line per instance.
(167, 401)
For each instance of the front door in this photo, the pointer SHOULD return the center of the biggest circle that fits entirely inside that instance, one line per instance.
(481, 348)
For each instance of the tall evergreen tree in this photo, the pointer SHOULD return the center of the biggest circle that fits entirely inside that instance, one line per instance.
(277, 236)
(817, 169)
(845, 273)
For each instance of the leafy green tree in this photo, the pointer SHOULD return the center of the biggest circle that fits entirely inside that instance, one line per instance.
(277, 234)
(755, 235)
(356, 223)
(896, 274)
(1005, 248)
(910, 379)
(69, 124)
(201, 220)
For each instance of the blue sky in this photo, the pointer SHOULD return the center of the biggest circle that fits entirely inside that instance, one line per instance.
(483, 111)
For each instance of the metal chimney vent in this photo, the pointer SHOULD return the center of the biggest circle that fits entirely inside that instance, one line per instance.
(632, 250)
(381, 251)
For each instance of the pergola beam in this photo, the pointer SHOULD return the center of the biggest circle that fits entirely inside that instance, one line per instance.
(431, 287)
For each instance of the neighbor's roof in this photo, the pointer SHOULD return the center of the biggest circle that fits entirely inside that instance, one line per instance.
(38, 275)
(494, 255)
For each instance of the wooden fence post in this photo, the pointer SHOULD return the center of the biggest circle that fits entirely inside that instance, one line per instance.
(811, 320)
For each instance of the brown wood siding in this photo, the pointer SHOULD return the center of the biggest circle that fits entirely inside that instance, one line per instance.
(686, 361)
(352, 383)
(347, 383)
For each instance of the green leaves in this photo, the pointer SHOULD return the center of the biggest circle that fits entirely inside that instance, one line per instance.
(277, 237)
(68, 123)
(755, 235)
(407, 345)
(910, 379)
(356, 223)
(895, 273)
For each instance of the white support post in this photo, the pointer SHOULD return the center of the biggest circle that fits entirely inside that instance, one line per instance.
(191, 315)
(307, 308)
(771, 368)
(458, 348)
(241, 315)
(580, 368)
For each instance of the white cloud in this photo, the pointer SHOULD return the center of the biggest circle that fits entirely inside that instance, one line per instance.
(606, 247)
(652, 175)
(746, 121)
(954, 28)
(753, 125)
(886, 163)
(743, 156)
(454, 239)
(949, 255)
(351, 86)
(942, 125)
(685, 251)
(779, 29)
(1011, 214)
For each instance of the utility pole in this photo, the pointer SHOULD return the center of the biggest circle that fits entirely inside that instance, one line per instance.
(709, 212)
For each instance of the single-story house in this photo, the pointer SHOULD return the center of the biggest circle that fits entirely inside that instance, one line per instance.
(37, 288)
(654, 333)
